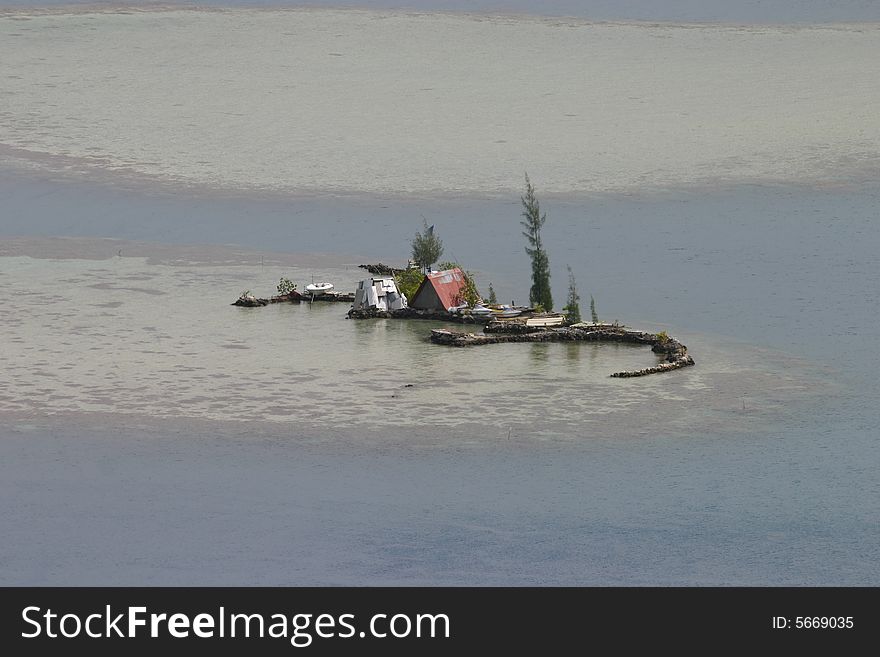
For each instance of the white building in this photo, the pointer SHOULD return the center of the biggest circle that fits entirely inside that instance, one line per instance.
(380, 293)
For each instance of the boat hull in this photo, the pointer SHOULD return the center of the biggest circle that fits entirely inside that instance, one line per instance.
(316, 289)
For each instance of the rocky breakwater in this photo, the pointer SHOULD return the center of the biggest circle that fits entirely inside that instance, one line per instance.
(676, 355)
(247, 300)
(416, 313)
(381, 269)
(250, 301)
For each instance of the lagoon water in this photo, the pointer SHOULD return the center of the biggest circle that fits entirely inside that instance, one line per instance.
(436, 104)
(716, 182)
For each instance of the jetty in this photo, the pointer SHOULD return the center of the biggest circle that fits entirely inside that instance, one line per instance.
(676, 354)
(296, 297)
(250, 301)
(418, 313)
(381, 269)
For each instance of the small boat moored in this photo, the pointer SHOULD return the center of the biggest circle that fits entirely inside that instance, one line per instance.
(478, 310)
(545, 319)
(506, 312)
(317, 289)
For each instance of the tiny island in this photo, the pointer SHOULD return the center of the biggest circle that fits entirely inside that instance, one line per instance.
(449, 294)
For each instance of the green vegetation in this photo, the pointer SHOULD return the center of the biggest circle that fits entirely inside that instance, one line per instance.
(595, 315)
(469, 293)
(408, 282)
(663, 337)
(572, 309)
(426, 247)
(286, 286)
(493, 298)
(539, 294)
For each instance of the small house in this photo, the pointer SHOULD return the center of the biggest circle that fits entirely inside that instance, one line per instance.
(440, 290)
(378, 293)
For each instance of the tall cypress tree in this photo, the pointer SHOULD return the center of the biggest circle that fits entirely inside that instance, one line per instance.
(572, 308)
(539, 294)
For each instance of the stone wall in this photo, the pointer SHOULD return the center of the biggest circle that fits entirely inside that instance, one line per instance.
(416, 313)
(380, 269)
(676, 353)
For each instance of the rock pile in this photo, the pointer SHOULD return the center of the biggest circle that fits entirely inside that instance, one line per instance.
(250, 301)
(291, 297)
(380, 269)
(510, 327)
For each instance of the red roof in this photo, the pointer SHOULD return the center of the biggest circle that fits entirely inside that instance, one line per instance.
(440, 290)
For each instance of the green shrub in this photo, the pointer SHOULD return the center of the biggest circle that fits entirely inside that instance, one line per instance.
(286, 286)
(426, 247)
(493, 298)
(408, 282)
(469, 293)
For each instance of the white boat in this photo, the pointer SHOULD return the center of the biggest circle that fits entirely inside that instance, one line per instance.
(316, 289)
(545, 320)
(506, 311)
(479, 310)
